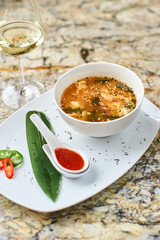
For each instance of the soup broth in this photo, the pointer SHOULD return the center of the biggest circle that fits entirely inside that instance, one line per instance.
(98, 99)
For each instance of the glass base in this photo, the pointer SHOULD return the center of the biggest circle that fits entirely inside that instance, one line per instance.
(15, 99)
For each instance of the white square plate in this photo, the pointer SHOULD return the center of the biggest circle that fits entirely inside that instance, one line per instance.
(110, 157)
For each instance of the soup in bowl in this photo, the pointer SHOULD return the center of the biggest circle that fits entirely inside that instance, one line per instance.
(98, 99)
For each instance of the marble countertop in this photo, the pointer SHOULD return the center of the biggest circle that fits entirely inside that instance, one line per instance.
(123, 32)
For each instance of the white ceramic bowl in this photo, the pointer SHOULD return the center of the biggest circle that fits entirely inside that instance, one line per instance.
(99, 129)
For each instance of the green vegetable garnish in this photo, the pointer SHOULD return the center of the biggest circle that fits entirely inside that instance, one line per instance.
(46, 175)
(129, 106)
(16, 158)
(103, 80)
(5, 153)
(130, 90)
(134, 100)
(94, 116)
(112, 117)
(98, 115)
(120, 85)
(72, 110)
(96, 101)
(124, 87)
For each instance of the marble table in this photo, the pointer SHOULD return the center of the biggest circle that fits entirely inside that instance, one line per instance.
(123, 32)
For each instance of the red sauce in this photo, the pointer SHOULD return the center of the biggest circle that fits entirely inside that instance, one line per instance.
(69, 159)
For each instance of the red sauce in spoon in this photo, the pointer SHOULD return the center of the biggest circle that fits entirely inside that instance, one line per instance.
(69, 159)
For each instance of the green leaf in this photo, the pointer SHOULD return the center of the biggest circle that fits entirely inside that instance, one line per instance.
(46, 175)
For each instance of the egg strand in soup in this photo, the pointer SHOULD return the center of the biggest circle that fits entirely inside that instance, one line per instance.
(98, 99)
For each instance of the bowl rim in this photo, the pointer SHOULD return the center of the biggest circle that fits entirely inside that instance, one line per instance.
(105, 122)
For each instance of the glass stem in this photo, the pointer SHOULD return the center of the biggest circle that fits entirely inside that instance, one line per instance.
(24, 89)
(21, 71)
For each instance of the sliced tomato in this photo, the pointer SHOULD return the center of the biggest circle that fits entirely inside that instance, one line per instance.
(8, 167)
(1, 164)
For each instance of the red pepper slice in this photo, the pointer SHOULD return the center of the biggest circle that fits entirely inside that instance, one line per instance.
(8, 167)
(1, 164)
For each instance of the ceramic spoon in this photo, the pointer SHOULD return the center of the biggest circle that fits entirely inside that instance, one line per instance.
(52, 143)
(47, 150)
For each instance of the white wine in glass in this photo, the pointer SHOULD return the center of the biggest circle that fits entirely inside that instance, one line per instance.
(21, 32)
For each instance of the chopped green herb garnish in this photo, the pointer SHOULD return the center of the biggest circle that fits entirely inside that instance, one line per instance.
(98, 116)
(104, 80)
(120, 85)
(129, 106)
(111, 117)
(72, 110)
(94, 116)
(96, 101)
(130, 90)
(134, 100)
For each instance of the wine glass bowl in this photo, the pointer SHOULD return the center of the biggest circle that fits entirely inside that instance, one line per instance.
(21, 32)
(20, 37)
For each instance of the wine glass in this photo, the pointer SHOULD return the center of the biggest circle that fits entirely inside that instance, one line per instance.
(21, 32)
